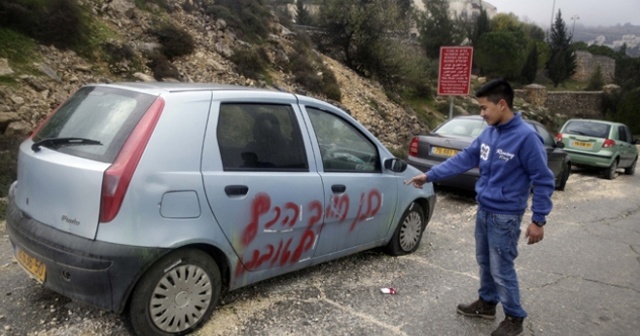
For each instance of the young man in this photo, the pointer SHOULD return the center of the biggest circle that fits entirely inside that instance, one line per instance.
(511, 159)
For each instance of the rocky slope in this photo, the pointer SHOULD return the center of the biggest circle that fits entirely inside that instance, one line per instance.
(61, 73)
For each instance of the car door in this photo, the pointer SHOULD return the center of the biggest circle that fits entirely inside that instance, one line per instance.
(360, 199)
(261, 182)
(624, 143)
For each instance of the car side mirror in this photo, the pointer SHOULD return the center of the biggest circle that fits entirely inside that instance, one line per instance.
(559, 144)
(395, 165)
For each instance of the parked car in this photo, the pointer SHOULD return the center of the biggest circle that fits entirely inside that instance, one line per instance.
(154, 198)
(601, 144)
(426, 151)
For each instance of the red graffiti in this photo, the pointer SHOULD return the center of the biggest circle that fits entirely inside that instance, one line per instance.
(288, 252)
(338, 207)
(259, 207)
(371, 210)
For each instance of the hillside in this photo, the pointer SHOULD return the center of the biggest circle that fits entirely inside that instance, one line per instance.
(32, 95)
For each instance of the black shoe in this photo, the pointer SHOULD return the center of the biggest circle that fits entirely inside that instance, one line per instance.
(510, 326)
(478, 308)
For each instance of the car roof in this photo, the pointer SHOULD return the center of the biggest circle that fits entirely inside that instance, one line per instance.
(596, 121)
(156, 87)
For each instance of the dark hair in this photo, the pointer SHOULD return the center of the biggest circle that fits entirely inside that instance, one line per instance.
(495, 90)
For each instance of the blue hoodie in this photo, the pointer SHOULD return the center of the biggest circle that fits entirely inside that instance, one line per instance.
(511, 158)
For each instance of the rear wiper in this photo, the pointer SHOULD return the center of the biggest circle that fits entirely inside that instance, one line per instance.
(58, 142)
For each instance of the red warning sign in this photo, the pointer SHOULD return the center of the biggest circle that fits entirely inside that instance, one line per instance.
(454, 77)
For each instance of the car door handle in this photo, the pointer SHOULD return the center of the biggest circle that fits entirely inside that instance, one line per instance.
(236, 190)
(338, 188)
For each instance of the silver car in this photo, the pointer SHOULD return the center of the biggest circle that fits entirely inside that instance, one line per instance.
(154, 199)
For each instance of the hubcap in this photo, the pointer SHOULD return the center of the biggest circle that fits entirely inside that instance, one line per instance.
(410, 231)
(180, 298)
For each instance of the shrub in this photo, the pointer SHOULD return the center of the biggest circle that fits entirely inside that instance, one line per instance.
(250, 18)
(250, 61)
(175, 41)
(162, 68)
(56, 22)
(596, 81)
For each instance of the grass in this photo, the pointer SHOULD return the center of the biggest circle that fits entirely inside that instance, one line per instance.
(20, 50)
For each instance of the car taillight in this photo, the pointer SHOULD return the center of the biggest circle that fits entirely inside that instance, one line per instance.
(413, 147)
(116, 178)
(608, 143)
(559, 137)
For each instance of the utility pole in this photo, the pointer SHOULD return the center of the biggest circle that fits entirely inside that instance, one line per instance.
(574, 18)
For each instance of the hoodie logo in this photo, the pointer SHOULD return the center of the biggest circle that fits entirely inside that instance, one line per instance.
(504, 156)
(484, 152)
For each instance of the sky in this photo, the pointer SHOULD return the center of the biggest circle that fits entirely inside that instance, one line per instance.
(587, 12)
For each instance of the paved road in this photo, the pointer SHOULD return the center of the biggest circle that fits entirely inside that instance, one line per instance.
(583, 279)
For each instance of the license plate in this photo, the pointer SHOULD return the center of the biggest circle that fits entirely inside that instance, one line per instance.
(444, 151)
(582, 144)
(34, 266)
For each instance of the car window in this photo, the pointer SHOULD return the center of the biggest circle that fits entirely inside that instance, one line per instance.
(103, 114)
(260, 137)
(546, 137)
(342, 147)
(462, 127)
(622, 134)
(587, 128)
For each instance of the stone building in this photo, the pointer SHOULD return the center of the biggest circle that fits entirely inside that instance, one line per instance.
(587, 64)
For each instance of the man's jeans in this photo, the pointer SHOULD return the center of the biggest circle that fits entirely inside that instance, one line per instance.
(496, 249)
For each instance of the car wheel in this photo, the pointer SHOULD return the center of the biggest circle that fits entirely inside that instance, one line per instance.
(406, 238)
(565, 176)
(631, 169)
(611, 172)
(176, 295)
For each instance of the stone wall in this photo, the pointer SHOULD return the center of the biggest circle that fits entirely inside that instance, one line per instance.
(573, 104)
(587, 104)
(587, 64)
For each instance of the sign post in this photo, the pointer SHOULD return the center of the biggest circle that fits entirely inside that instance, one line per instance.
(454, 76)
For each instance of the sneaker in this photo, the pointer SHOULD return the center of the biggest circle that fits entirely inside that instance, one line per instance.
(478, 308)
(510, 326)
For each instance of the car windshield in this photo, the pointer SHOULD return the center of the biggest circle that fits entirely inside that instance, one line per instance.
(465, 127)
(587, 128)
(97, 115)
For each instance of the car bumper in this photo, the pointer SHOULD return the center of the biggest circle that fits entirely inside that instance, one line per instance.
(593, 160)
(466, 180)
(90, 271)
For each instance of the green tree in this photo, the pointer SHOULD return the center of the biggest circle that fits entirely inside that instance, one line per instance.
(530, 68)
(627, 111)
(497, 56)
(436, 28)
(562, 62)
(303, 17)
(358, 30)
(481, 27)
(596, 81)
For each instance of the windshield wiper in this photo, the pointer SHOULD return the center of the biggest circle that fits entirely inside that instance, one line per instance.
(58, 142)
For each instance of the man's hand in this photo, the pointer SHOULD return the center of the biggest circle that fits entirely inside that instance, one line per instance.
(418, 181)
(535, 233)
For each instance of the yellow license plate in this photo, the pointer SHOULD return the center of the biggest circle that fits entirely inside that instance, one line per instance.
(34, 266)
(582, 144)
(444, 151)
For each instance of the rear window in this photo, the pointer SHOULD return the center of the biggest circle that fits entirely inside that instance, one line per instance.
(587, 128)
(107, 115)
(465, 127)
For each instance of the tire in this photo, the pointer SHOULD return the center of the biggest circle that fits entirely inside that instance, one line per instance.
(565, 176)
(631, 169)
(406, 238)
(610, 173)
(176, 295)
